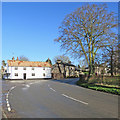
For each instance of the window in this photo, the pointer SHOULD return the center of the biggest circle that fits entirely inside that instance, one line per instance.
(33, 74)
(16, 68)
(16, 74)
(43, 74)
(44, 68)
(24, 68)
(32, 68)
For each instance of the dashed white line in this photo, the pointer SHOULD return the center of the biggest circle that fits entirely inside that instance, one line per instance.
(12, 87)
(27, 85)
(7, 101)
(7, 96)
(9, 109)
(8, 105)
(75, 99)
(31, 83)
(52, 89)
(69, 96)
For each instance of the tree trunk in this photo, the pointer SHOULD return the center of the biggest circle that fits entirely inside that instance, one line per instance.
(111, 66)
(59, 68)
(64, 71)
(111, 63)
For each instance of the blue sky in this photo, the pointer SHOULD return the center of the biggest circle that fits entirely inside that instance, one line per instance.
(30, 28)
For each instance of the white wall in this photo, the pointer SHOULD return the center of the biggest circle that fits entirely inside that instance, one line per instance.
(37, 70)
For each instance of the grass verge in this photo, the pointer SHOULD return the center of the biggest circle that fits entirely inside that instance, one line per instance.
(103, 88)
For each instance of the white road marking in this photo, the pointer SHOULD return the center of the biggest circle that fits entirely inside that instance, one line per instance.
(16, 81)
(7, 96)
(31, 83)
(8, 105)
(7, 100)
(9, 109)
(52, 89)
(74, 99)
(12, 87)
(27, 85)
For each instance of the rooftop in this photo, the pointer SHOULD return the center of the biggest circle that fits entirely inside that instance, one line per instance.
(18, 63)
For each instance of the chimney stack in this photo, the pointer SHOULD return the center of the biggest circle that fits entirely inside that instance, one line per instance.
(13, 58)
(17, 58)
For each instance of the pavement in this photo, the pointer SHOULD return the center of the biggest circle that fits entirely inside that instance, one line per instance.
(57, 99)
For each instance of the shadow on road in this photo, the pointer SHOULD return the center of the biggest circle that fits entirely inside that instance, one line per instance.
(71, 81)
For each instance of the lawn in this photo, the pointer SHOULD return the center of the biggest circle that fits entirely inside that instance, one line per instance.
(104, 88)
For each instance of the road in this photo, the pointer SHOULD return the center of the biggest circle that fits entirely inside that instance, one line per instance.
(55, 99)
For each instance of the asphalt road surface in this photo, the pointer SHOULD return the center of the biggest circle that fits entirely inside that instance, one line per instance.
(54, 99)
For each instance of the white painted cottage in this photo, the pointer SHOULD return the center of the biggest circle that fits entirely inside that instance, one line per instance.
(27, 69)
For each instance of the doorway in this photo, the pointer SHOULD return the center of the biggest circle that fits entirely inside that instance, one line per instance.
(24, 76)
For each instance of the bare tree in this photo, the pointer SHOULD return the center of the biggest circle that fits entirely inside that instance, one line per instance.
(2, 68)
(23, 58)
(3, 63)
(83, 63)
(86, 31)
(63, 58)
(110, 57)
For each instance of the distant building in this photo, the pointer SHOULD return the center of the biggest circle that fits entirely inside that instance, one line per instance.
(27, 69)
(64, 70)
(102, 69)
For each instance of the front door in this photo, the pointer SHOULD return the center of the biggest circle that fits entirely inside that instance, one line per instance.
(24, 76)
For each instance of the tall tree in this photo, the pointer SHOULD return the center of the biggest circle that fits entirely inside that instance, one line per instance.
(86, 31)
(23, 58)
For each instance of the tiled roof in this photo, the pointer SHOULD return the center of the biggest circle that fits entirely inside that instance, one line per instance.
(18, 63)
